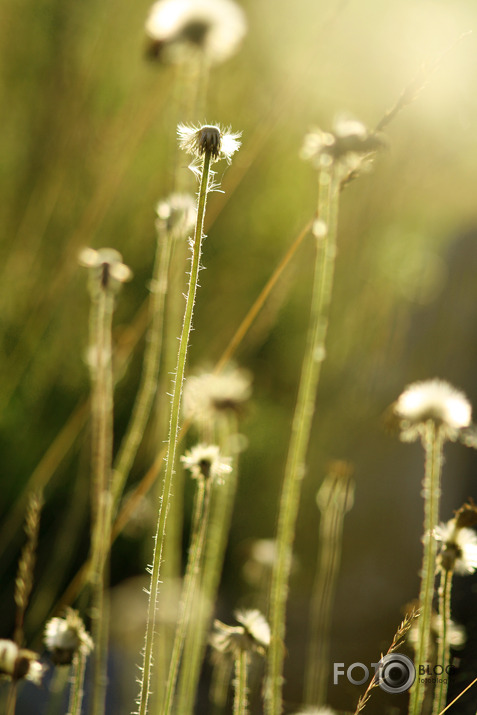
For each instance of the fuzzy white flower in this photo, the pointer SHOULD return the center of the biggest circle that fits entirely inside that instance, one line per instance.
(207, 395)
(436, 401)
(255, 625)
(18, 663)
(459, 548)
(456, 635)
(347, 143)
(204, 461)
(177, 215)
(252, 635)
(179, 30)
(219, 142)
(65, 636)
(317, 711)
(107, 268)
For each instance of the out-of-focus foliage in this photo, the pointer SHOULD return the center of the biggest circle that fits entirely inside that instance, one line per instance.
(87, 145)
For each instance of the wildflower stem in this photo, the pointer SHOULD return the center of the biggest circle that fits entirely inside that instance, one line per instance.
(443, 655)
(190, 587)
(240, 683)
(173, 436)
(102, 435)
(433, 444)
(334, 499)
(77, 691)
(304, 410)
(220, 518)
(149, 378)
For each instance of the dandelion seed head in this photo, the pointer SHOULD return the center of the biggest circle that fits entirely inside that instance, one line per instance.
(107, 270)
(255, 625)
(207, 396)
(252, 635)
(347, 145)
(18, 663)
(177, 215)
(459, 548)
(66, 636)
(435, 401)
(205, 462)
(219, 142)
(182, 30)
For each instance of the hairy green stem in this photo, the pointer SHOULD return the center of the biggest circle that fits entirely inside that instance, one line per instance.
(222, 501)
(77, 689)
(240, 683)
(173, 435)
(190, 588)
(443, 654)
(304, 410)
(433, 443)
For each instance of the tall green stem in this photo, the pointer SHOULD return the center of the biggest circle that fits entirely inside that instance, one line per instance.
(77, 690)
(173, 434)
(240, 683)
(443, 655)
(304, 410)
(222, 501)
(190, 588)
(433, 443)
(102, 426)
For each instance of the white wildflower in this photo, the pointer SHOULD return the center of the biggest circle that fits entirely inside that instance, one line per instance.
(18, 663)
(252, 635)
(204, 461)
(107, 268)
(432, 400)
(459, 548)
(179, 30)
(65, 636)
(177, 215)
(207, 395)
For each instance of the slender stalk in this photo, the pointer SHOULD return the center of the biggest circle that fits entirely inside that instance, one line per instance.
(152, 357)
(11, 699)
(334, 499)
(190, 588)
(173, 436)
(102, 433)
(304, 410)
(433, 443)
(222, 501)
(443, 655)
(77, 690)
(240, 683)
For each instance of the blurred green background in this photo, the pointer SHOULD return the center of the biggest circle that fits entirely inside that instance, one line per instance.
(87, 144)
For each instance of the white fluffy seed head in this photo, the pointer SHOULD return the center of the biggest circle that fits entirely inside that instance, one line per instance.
(435, 401)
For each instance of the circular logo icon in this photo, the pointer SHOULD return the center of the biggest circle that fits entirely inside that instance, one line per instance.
(395, 673)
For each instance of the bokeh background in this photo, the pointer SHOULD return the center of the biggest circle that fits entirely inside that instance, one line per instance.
(87, 145)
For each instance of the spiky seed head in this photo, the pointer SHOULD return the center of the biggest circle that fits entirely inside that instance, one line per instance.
(220, 143)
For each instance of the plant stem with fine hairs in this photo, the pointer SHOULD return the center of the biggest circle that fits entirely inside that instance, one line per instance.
(173, 435)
